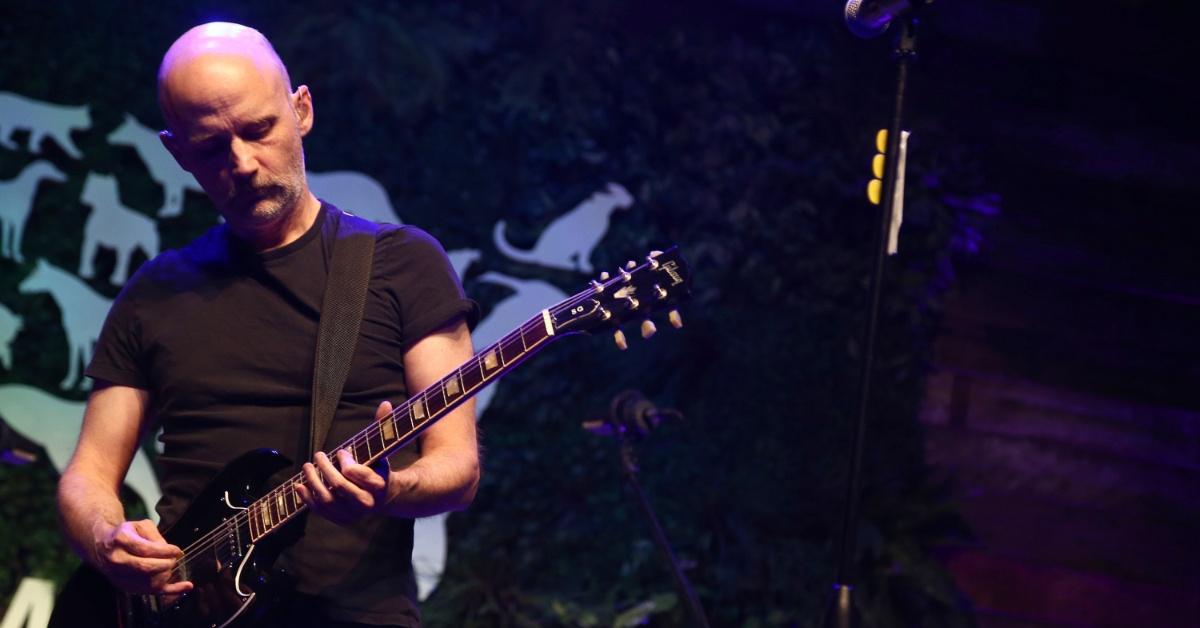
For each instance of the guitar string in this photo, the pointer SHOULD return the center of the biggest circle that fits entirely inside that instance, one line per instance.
(215, 536)
(218, 534)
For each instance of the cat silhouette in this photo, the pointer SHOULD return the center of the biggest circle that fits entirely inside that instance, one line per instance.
(568, 242)
(42, 120)
(16, 201)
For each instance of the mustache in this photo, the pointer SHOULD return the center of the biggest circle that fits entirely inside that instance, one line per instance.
(251, 190)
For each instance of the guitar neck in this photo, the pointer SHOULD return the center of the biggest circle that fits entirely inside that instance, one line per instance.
(412, 417)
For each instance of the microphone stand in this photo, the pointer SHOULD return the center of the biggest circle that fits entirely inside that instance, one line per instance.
(841, 606)
(614, 426)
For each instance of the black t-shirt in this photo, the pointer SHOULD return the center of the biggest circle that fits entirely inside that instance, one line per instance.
(223, 339)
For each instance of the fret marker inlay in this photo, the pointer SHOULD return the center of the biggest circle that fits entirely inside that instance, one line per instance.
(489, 360)
(418, 409)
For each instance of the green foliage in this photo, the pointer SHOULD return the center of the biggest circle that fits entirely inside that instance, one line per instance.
(746, 138)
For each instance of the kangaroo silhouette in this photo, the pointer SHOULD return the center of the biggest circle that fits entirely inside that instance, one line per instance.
(568, 242)
(16, 201)
(54, 424)
(10, 324)
(354, 192)
(531, 295)
(43, 120)
(159, 162)
(83, 313)
(113, 226)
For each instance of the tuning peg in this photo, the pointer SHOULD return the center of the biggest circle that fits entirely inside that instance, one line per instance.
(648, 328)
(655, 253)
(659, 292)
(630, 265)
(619, 338)
(604, 276)
(605, 314)
(676, 320)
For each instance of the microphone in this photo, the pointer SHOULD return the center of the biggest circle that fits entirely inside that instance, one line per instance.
(870, 18)
(630, 413)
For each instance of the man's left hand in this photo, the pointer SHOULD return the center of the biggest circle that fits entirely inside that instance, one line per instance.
(349, 491)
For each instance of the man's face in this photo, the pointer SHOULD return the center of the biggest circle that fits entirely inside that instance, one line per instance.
(234, 126)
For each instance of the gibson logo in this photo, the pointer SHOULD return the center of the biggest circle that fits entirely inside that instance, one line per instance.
(671, 268)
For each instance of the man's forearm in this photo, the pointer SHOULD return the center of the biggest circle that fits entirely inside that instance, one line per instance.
(84, 504)
(434, 484)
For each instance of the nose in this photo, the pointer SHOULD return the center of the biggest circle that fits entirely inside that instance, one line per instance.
(241, 158)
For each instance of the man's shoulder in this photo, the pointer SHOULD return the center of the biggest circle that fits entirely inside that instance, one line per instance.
(173, 267)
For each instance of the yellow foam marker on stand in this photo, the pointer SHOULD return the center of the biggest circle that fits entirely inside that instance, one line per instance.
(881, 140)
(875, 191)
(877, 166)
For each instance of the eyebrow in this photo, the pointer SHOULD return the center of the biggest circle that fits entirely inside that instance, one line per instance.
(268, 120)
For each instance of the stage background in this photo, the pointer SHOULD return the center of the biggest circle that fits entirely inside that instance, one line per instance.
(543, 143)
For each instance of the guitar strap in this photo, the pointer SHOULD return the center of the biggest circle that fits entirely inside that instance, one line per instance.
(341, 316)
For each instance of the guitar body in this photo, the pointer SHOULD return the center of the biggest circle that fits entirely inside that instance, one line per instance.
(232, 575)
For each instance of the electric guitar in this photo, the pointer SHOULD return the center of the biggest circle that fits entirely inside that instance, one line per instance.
(234, 529)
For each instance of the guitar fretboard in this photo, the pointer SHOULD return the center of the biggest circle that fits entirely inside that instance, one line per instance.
(410, 418)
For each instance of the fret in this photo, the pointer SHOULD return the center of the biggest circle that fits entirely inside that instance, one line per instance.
(472, 375)
(510, 350)
(283, 513)
(434, 403)
(252, 526)
(376, 431)
(266, 518)
(360, 451)
(521, 332)
(536, 334)
(407, 410)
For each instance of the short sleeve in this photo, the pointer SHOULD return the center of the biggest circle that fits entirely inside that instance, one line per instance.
(118, 356)
(422, 283)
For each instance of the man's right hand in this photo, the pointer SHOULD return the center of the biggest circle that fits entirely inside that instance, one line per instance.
(136, 557)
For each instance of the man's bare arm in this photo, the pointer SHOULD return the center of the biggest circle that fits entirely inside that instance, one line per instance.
(131, 553)
(446, 475)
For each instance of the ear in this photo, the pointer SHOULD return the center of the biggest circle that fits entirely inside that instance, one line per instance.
(171, 143)
(303, 108)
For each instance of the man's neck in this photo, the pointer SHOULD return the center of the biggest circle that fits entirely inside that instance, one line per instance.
(288, 229)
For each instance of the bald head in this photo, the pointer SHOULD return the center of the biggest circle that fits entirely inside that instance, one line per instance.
(218, 52)
(234, 122)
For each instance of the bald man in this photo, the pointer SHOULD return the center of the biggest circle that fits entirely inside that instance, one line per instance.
(214, 344)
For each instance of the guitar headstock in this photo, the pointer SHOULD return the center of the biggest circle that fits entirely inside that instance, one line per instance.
(635, 291)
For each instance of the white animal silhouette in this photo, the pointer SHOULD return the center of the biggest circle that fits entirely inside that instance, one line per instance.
(429, 534)
(162, 166)
(568, 242)
(54, 423)
(113, 226)
(462, 259)
(43, 120)
(10, 324)
(83, 313)
(16, 201)
(354, 192)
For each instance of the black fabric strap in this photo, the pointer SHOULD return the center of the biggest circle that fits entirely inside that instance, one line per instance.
(341, 316)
